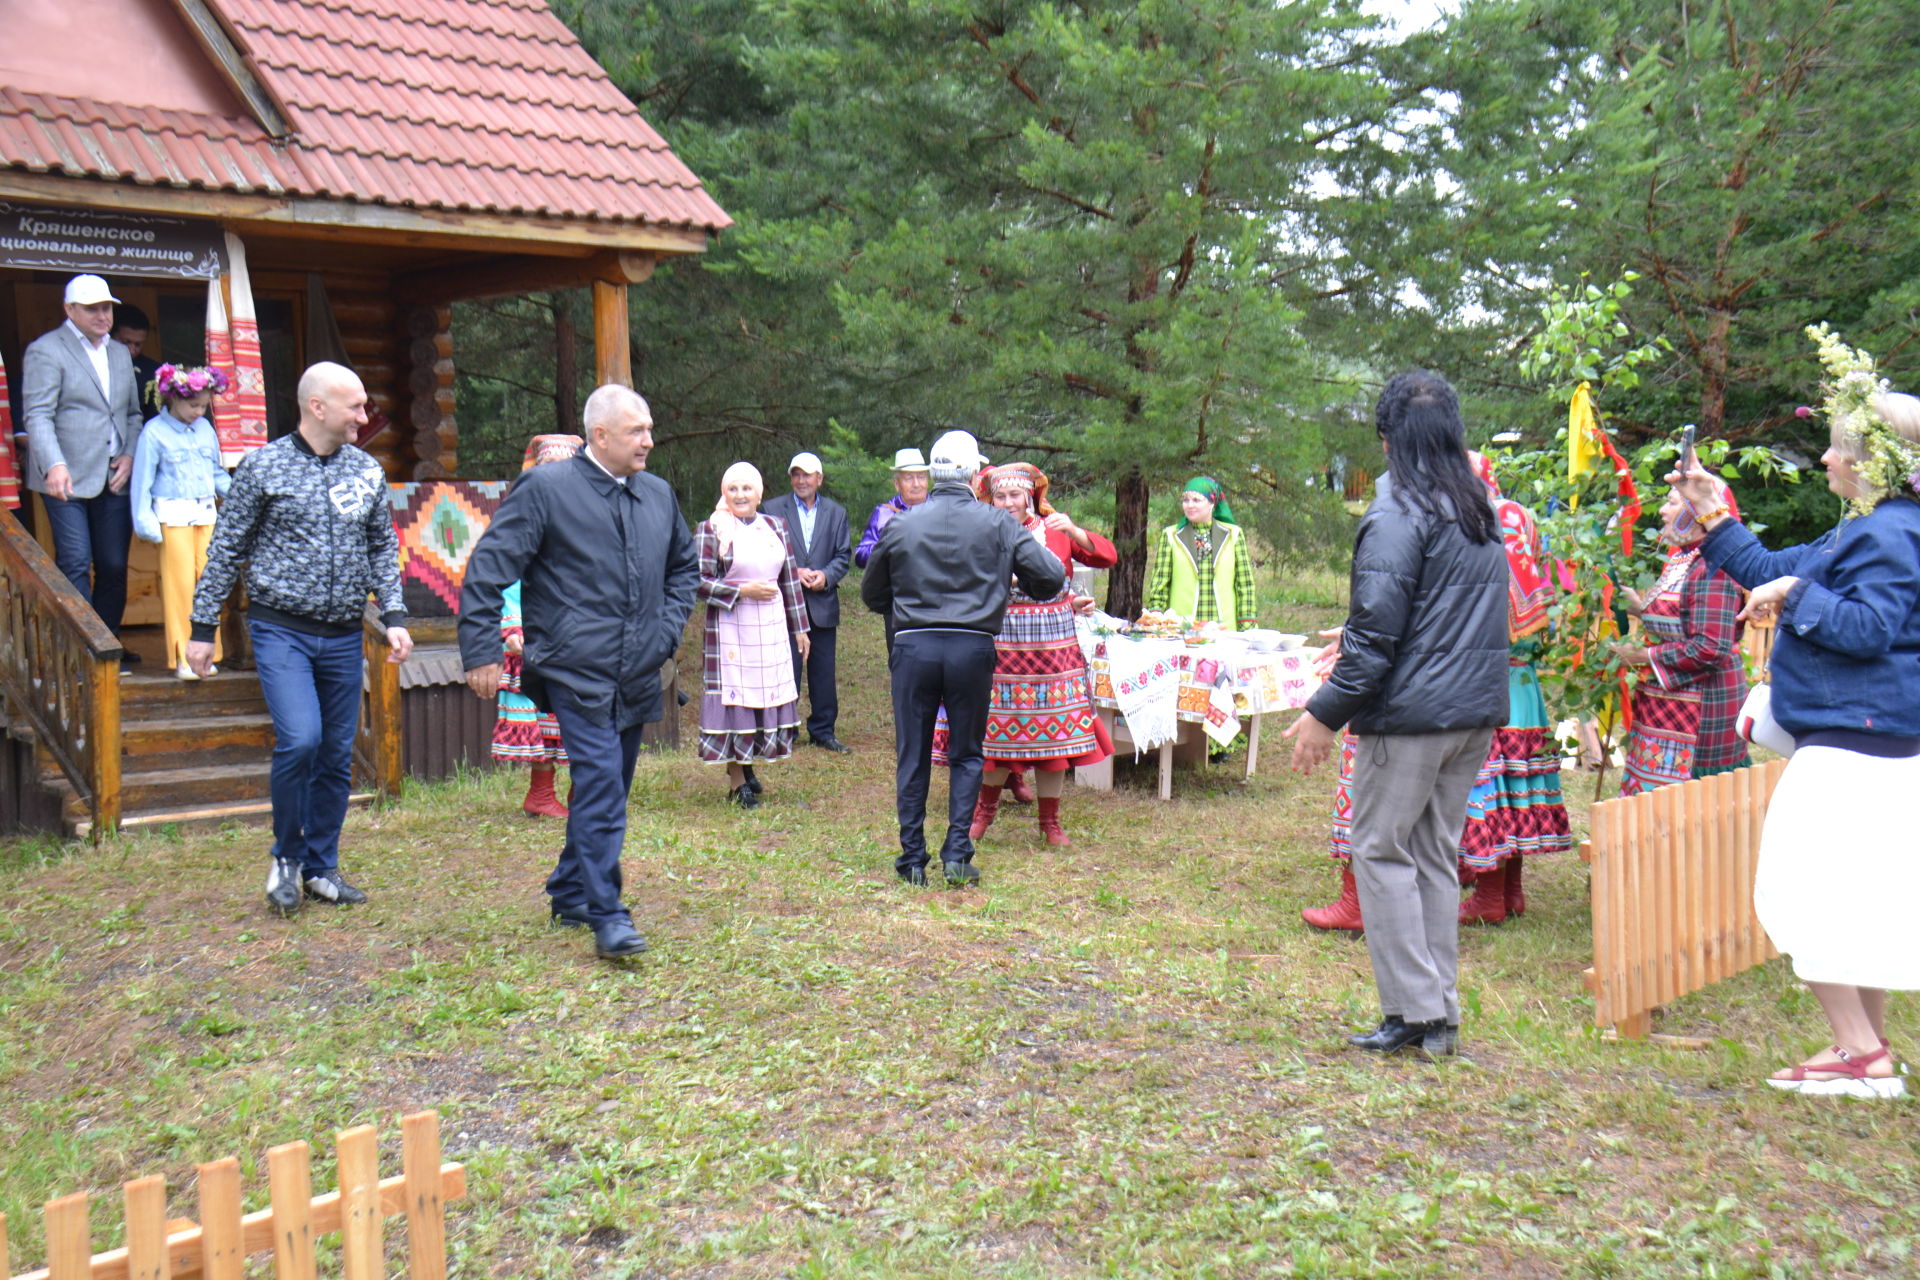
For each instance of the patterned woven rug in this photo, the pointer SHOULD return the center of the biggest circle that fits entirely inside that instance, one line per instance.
(439, 523)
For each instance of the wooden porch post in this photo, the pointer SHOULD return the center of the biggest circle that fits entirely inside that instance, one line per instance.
(612, 356)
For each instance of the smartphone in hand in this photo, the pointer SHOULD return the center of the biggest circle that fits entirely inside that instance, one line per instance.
(1688, 458)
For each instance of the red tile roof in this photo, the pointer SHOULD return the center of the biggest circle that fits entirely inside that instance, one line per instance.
(469, 105)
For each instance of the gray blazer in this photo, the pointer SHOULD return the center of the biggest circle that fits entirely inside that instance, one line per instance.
(68, 418)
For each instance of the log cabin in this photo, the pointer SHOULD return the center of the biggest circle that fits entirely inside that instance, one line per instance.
(338, 174)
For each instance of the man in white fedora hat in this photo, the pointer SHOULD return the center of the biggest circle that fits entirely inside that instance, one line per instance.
(81, 403)
(909, 490)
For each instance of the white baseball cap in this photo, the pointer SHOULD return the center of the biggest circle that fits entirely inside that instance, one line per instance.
(957, 451)
(84, 291)
(909, 460)
(807, 462)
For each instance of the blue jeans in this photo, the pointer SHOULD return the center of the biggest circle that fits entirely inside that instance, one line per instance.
(312, 687)
(586, 880)
(90, 541)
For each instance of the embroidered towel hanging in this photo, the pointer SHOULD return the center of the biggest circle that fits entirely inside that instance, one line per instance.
(240, 418)
(9, 471)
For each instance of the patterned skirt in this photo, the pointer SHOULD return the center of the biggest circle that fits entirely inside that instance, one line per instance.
(746, 735)
(1660, 746)
(1040, 711)
(524, 734)
(1515, 807)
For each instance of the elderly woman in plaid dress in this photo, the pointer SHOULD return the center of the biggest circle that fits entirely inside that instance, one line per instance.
(1691, 681)
(749, 707)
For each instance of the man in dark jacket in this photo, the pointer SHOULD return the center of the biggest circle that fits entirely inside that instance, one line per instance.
(607, 577)
(941, 574)
(1422, 677)
(309, 517)
(818, 525)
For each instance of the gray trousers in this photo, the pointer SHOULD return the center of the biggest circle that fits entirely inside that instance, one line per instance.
(1409, 804)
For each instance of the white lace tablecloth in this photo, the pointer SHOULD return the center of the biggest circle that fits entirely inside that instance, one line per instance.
(1156, 683)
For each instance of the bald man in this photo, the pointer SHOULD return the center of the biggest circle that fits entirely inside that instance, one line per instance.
(309, 517)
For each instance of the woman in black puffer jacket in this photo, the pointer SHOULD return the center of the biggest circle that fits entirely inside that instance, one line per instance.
(1422, 677)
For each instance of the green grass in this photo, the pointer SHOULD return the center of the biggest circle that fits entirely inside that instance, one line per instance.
(1122, 1060)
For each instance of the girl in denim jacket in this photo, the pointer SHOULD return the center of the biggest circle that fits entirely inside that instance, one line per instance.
(176, 478)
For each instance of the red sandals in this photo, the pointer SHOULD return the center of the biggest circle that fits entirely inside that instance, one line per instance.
(1846, 1077)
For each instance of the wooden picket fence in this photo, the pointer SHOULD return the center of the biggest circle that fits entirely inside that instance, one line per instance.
(1673, 892)
(218, 1246)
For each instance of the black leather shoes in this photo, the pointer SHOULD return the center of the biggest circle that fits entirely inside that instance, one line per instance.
(830, 743)
(1394, 1035)
(961, 873)
(916, 876)
(745, 796)
(616, 939)
(564, 919)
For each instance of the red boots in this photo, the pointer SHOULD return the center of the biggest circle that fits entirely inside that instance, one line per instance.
(1488, 902)
(1018, 790)
(1344, 914)
(540, 801)
(1049, 812)
(1516, 897)
(984, 810)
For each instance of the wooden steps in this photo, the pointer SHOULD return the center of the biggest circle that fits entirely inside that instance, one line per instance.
(192, 752)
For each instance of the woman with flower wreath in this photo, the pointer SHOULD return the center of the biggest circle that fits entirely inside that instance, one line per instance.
(177, 477)
(1836, 879)
(1040, 711)
(1691, 681)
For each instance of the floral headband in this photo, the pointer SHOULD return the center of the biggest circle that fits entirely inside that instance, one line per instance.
(1891, 462)
(177, 382)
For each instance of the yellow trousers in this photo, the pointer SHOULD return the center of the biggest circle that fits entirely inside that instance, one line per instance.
(183, 554)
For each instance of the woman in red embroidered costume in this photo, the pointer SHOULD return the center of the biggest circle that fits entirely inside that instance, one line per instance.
(1041, 710)
(523, 734)
(1691, 682)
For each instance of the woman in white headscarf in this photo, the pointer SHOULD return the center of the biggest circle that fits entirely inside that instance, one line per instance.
(749, 707)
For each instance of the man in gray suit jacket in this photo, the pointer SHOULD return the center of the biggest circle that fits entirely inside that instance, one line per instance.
(82, 408)
(823, 551)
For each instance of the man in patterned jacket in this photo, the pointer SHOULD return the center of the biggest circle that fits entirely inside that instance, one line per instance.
(309, 516)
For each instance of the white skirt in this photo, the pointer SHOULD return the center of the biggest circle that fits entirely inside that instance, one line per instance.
(1838, 881)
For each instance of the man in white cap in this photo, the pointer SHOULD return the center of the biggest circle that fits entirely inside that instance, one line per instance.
(909, 490)
(81, 403)
(821, 548)
(942, 580)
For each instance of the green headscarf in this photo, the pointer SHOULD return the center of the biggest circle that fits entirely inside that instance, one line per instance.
(1222, 513)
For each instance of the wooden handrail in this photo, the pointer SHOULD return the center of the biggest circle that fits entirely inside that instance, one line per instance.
(377, 742)
(60, 667)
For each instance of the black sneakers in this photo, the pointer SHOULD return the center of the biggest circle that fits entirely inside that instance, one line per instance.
(329, 887)
(283, 887)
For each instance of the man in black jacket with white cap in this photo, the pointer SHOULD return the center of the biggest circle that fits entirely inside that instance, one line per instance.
(941, 573)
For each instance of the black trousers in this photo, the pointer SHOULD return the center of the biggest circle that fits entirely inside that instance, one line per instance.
(823, 694)
(931, 667)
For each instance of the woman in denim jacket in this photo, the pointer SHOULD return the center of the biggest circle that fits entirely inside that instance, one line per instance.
(176, 477)
(1837, 877)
